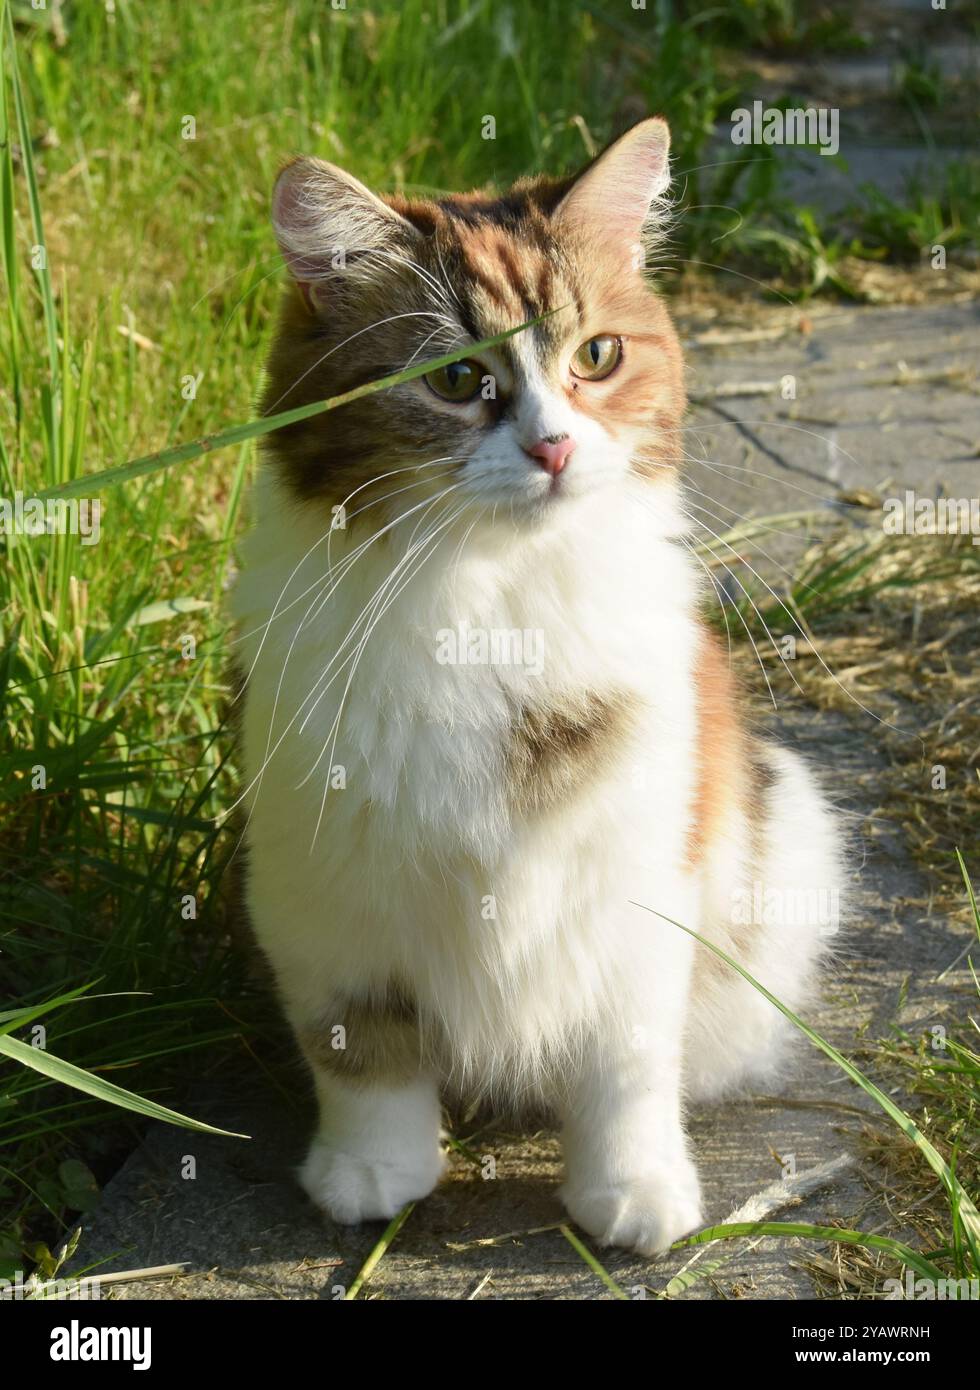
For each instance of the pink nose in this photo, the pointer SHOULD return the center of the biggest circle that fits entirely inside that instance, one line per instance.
(551, 453)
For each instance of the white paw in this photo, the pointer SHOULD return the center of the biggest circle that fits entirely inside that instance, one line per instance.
(645, 1214)
(353, 1187)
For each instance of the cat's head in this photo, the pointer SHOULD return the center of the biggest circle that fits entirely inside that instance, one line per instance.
(585, 399)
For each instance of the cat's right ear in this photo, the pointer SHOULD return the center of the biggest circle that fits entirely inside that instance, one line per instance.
(617, 200)
(327, 222)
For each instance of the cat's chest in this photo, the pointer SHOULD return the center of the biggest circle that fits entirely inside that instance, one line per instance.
(478, 748)
(466, 708)
(418, 753)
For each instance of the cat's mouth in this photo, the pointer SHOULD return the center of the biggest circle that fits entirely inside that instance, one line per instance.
(557, 487)
(545, 501)
(545, 497)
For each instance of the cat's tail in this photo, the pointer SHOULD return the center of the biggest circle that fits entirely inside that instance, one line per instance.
(772, 900)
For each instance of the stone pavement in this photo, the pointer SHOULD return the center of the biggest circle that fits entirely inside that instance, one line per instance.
(885, 400)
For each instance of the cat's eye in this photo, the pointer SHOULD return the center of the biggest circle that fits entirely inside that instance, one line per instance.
(597, 358)
(458, 382)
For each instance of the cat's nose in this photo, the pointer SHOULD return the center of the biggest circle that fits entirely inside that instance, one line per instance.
(552, 452)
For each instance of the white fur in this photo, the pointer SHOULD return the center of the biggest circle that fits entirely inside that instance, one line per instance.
(568, 992)
(373, 1152)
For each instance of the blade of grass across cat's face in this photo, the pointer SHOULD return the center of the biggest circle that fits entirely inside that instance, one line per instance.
(253, 429)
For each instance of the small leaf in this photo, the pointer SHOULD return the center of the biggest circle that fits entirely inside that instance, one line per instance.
(81, 1191)
(40, 1255)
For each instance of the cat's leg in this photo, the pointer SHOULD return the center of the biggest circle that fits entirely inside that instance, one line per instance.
(377, 1141)
(630, 1179)
(377, 1147)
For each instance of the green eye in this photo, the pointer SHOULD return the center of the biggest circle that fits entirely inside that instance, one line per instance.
(597, 358)
(458, 382)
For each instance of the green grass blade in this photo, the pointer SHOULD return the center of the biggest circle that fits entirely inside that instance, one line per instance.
(8, 241)
(69, 1075)
(254, 429)
(784, 1229)
(687, 1277)
(379, 1252)
(18, 1018)
(37, 226)
(580, 1249)
(969, 891)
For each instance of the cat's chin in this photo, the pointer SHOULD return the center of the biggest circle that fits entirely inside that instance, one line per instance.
(539, 513)
(555, 506)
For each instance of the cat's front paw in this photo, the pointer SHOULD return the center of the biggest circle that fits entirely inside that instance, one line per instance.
(646, 1214)
(352, 1187)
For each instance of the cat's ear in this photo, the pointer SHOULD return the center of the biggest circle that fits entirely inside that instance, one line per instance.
(327, 222)
(617, 197)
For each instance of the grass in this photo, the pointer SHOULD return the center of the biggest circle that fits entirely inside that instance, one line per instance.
(140, 280)
(378, 1252)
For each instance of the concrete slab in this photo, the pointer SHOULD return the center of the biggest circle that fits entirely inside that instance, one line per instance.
(885, 400)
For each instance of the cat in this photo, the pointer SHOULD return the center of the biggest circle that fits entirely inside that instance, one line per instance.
(493, 753)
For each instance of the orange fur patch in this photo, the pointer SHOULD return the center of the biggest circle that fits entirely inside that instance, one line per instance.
(720, 746)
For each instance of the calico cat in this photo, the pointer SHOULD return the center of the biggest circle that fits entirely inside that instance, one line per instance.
(493, 753)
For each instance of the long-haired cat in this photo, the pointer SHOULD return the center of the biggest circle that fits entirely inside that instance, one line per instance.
(490, 745)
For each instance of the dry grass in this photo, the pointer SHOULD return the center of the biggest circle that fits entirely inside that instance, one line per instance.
(893, 628)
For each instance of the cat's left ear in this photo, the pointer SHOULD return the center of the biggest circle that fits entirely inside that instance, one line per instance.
(616, 197)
